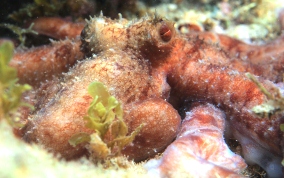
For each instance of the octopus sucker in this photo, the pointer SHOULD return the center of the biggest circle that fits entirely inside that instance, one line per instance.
(154, 71)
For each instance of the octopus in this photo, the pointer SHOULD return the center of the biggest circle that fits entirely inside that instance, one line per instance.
(154, 71)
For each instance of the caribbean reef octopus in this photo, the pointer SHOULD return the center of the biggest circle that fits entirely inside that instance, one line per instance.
(153, 70)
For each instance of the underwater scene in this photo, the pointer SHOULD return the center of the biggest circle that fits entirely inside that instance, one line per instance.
(140, 88)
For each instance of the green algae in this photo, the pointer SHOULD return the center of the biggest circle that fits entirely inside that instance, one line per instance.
(105, 118)
(20, 32)
(275, 103)
(11, 91)
(20, 159)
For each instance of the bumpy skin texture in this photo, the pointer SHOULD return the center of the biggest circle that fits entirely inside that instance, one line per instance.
(201, 145)
(39, 64)
(208, 75)
(62, 116)
(199, 70)
(161, 126)
(43, 63)
(145, 63)
(57, 28)
(266, 60)
(202, 78)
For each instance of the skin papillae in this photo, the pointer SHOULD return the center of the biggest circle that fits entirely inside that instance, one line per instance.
(146, 63)
(59, 57)
(43, 63)
(142, 103)
(266, 60)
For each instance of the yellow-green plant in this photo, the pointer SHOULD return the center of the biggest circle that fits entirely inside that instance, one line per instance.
(275, 101)
(10, 90)
(105, 117)
(274, 104)
(19, 31)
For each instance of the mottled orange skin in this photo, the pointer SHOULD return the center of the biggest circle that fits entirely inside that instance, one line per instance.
(57, 28)
(199, 70)
(148, 63)
(262, 60)
(61, 116)
(40, 64)
(207, 75)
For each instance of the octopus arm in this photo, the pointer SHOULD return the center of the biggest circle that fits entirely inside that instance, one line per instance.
(262, 60)
(43, 63)
(235, 94)
(200, 143)
(57, 28)
(255, 154)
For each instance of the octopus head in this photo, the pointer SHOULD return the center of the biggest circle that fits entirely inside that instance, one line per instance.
(151, 37)
(101, 34)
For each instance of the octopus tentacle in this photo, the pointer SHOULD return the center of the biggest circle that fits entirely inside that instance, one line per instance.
(197, 70)
(227, 88)
(57, 28)
(154, 113)
(39, 64)
(235, 94)
(200, 143)
(263, 60)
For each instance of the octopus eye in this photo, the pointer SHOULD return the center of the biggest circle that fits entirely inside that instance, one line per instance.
(165, 33)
